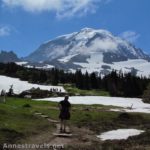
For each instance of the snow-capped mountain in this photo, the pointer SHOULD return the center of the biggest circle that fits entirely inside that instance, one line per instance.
(91, 50)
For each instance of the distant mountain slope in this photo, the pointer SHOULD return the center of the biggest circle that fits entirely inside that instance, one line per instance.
(89, 50)
(86, 42)
(8, 57)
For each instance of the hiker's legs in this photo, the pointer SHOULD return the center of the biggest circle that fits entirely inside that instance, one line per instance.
(61, 124)
(64, 126)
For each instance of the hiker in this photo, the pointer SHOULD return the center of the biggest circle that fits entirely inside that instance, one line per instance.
(64, 115)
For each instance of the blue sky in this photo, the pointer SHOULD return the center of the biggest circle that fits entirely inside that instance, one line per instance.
(25, 24)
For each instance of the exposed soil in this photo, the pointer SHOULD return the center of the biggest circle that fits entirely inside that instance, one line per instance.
(80, 136)
(84, 138)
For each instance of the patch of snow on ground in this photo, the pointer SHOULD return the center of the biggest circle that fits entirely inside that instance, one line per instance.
(94, 63)
(140, 64)
(119, 134)
(85, 34)
(29, 66)
(67, 58)
(20, 86)
(21, 63)
(96, 58)
(47, 66)
(136, 103)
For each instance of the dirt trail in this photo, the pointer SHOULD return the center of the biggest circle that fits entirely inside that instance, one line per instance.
(80, 136)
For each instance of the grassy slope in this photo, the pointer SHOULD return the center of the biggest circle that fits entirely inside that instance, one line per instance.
(72, 90)
(18, 122)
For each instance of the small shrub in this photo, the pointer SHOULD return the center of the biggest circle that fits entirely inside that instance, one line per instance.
(26, 105)
(130, 118)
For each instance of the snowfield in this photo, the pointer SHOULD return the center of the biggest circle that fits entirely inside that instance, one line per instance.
(47, 66)
(66, 58)
(119, 134)
(21, 63)
(126, 104)
(95, 63)
(20, 86)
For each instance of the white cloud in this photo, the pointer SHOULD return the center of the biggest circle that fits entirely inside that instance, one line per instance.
(62, 8)
(130, 36)
(4, 31)
(106, 44)
(34, 5)
(97, 45)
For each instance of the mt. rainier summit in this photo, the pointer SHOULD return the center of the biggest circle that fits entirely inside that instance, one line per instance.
(91, 50)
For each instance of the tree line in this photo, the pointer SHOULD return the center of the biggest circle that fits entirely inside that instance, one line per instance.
(117, 84)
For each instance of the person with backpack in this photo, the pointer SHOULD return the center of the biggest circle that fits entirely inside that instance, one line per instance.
(64, 107)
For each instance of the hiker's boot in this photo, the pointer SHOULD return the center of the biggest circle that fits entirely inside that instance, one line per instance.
(61, 130)
(64, 131)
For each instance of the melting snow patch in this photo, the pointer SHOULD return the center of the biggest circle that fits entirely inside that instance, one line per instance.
(119, 134)
(67, 58)
(47, 66)
(20, 86)
(127, 104)
(21, 63)
(140, 64)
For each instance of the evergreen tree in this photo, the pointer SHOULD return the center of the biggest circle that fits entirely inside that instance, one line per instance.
(146, 95)
(87, 83)
(42, 76)
(79, 79)
(93, 81)
(117, 84)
